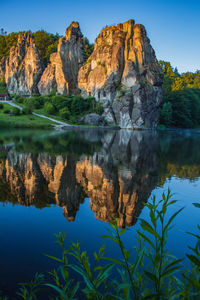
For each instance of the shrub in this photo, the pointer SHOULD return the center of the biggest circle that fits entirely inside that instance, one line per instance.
(6, 111)
(16, 111)
(49, 108)
(1, 106)
(19, 99)
(27, 110)
(64, 113)
(99, 108)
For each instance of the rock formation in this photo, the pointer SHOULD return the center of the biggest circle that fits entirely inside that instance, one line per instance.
(62, 71)
(123, 74)
(23, 68)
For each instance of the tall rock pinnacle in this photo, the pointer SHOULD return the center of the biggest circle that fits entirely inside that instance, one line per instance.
(62, 71)
(123, 74)
(23, 67)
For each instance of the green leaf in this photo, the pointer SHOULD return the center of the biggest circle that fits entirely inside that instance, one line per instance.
(147, 227)
(196, 204)
(151, 276)
(58, 290)
(83, 274)
(111, 238)
(153, 219)
(122, 231)
(74, 290)
(138, 261)
(172, 218)
(146, 239)
(54, 258)
(170, 271)
(115, 261)
(194, 260)
(175, 262)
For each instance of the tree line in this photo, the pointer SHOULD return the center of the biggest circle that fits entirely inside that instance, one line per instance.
(181, 106)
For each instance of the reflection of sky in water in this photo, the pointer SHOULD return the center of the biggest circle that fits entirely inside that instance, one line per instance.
(129, 164)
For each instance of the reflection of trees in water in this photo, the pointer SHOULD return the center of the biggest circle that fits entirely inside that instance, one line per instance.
(117, 177)
(179, 155)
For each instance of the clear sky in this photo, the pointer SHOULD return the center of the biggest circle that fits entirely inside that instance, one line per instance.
(173, 26)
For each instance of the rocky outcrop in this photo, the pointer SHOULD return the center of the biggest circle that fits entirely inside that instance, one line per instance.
(123, 74)
(23, 67)
(93, 119)
(61, 73)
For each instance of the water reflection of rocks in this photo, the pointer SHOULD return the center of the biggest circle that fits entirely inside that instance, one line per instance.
(117, 178)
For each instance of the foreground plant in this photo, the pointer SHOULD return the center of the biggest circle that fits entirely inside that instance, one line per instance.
(145, 272)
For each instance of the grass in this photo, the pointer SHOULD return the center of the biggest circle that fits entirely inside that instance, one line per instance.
(22, 121)
(41, 111)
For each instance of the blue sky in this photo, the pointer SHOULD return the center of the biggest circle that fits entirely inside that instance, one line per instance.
(173, 26)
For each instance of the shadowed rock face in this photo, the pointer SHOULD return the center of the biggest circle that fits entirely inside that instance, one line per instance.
(123, 74)
(62, 71)
(23, 68)
(2, 67)
(118, 178)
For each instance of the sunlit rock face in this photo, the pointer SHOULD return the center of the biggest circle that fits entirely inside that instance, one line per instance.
(120, 177)
(23, 67)
(61, 73)
(123, 74)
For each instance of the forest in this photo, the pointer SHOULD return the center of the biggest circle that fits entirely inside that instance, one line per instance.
(181, 105)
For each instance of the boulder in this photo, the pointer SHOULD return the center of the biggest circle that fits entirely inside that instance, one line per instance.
(124, 75)
(93, 119)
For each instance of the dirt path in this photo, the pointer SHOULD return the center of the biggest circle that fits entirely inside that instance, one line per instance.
(35, 114)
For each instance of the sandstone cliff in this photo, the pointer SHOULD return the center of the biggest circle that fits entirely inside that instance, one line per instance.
(123, 74)
(23, 68)
(62, 71)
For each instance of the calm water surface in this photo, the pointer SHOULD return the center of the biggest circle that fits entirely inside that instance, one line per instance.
(77, 181)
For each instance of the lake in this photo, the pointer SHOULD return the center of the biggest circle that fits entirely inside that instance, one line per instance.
(78, 180)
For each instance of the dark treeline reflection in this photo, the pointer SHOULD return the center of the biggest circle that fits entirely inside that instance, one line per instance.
(117, 170)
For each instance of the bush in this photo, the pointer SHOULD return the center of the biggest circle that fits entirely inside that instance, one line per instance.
(6, 111)
(27, 110)
(19, 99)
(49, 108)
(99, 108)
(1, 106)
(16, 111)
(64, 113)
